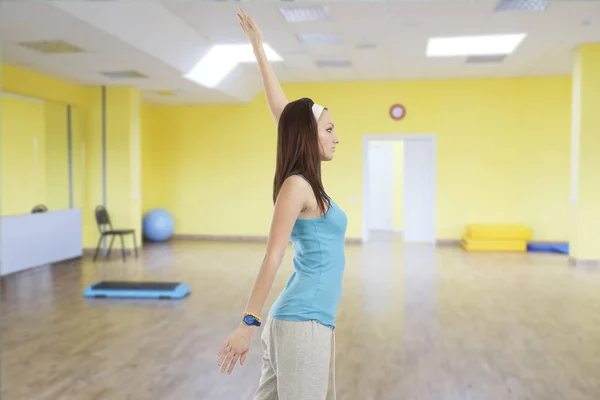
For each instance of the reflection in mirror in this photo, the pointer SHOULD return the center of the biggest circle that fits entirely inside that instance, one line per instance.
(35, 155)
(77, 156)
(56, 166)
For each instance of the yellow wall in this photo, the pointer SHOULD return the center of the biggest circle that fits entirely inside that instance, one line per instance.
(55, 94)
(35, 155)
(122, 159)
(93, 165)
(398, 146)
(502, 153)
(212, 166)
(56, 166)
(586, 158)
(23, 155)
(78, 155)
(28, 83)
(50, 118)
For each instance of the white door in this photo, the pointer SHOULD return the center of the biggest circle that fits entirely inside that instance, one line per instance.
(381, 186)
(419, 191)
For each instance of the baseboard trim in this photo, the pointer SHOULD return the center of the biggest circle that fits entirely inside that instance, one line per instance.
(116, 251)
(584, 264)
(220, 238)
(447, 242)
(238, 238)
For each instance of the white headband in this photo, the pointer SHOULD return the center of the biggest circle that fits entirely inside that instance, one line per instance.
(317, 110)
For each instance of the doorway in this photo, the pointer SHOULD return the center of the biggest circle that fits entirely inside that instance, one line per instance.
(399, 186)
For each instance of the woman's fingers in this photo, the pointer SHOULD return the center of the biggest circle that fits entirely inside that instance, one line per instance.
(246, 21)
(227, 361)
(223, 355)
(233, 362)
(243, 358)
(243, 24)
(224, 352)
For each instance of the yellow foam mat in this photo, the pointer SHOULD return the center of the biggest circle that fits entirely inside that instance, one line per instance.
(498, 231)
(512, 245)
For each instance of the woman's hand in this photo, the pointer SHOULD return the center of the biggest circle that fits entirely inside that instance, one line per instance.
(250, 28)
(235, 348)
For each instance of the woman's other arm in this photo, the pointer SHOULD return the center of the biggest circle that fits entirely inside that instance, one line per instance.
(275, 96)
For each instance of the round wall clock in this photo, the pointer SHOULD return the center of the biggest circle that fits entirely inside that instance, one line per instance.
(397, 112)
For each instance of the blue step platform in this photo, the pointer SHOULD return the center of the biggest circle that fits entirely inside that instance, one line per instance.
(143, 290)
(561, 248)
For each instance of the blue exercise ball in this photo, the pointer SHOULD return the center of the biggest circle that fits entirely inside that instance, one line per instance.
(158, 225)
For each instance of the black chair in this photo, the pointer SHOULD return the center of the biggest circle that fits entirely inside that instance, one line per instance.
(40, 208)
(106, 229)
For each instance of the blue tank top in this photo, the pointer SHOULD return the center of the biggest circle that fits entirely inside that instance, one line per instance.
(314, 290)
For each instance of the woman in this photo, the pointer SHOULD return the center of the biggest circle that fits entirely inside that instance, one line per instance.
(298, 336)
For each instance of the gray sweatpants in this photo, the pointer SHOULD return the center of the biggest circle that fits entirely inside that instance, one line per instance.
(298, 361)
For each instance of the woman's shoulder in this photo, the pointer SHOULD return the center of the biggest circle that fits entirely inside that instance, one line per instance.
(296, 181)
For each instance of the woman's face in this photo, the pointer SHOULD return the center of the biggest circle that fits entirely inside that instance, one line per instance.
(327, 137)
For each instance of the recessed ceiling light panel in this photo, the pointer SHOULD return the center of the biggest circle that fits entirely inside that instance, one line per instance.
(318, 38)
(460, 46)
(522, 5)
(305, 14)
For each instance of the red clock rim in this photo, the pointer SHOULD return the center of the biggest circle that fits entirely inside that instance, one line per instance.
(403, 114)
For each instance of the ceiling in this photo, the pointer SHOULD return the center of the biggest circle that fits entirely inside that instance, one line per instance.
(382, 40)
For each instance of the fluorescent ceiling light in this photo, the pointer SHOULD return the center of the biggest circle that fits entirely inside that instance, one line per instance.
(474, 45)
(222, 59)
(318, 38)
(522, 5)
(305, 14)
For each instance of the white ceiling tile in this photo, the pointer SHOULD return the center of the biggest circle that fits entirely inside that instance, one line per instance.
(298, 61)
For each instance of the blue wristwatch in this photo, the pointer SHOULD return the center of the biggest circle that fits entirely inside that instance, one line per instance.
(251, 320)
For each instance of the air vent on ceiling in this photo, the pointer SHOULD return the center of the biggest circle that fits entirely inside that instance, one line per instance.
(305, 14)
(334, 64)
(123, 74)
(485, 59)
(165, 92)
(522, 5)
(52, 47)
(318, 38)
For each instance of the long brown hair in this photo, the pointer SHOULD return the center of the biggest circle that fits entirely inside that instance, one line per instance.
(298, 150)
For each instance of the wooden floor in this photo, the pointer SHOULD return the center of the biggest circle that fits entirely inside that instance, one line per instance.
(416, 322)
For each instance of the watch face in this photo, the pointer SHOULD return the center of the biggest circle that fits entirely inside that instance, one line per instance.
(248, 319)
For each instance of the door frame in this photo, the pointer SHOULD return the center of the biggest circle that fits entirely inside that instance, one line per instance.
(429, 137)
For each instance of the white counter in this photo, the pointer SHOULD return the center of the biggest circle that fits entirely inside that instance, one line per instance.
(32, 240)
